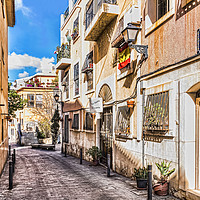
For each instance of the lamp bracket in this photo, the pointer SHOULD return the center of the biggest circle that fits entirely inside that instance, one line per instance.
(142, 49)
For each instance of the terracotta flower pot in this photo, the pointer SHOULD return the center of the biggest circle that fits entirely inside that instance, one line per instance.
(130, 103)
(161, 189)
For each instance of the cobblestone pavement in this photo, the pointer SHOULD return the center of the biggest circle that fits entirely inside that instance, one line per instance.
(43, 174)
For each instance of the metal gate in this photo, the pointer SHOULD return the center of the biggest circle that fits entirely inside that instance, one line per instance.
(106, 134)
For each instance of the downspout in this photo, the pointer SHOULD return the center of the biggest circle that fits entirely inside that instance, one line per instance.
(143, 103)
(179, 117)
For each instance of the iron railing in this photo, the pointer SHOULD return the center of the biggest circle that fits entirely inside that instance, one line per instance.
(93, 8)
(66, 13)
(156, 112)
(64, 51)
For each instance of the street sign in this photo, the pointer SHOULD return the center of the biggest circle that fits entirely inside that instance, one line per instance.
(96, 105)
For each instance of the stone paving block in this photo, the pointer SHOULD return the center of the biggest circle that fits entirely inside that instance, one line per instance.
(50, 175)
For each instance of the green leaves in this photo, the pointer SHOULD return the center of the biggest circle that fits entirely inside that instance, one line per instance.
(140, 173)
(164, 170)
(15, 102)
(94, 152)
(55, 126)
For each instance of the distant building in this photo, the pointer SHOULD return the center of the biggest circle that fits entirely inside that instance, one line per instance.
(7, 18)
(38, 90)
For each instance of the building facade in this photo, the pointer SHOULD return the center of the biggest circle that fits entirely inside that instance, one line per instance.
(162, 122)
(38, 91)
(7, 18)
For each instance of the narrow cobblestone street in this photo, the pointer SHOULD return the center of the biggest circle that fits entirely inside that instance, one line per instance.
(49, 175)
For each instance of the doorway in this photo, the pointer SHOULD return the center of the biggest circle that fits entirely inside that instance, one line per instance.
(106, 134)
(66, 128)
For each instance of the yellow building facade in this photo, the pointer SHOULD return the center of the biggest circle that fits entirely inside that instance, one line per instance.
(7, 18)
(38, 91)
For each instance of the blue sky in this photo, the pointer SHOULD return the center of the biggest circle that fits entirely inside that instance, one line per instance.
(35, 36)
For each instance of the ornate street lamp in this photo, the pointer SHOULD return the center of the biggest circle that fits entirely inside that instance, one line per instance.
(130, 36)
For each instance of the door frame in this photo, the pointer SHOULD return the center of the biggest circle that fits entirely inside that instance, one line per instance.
(197, 145)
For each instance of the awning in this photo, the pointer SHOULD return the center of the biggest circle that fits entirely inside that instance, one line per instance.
(72, 106)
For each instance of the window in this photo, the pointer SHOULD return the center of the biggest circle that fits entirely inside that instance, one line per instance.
(88, 69)
(39, 99)
(88, 125)
(123, 121)
(30, 98)
(75, 124)
(65, 83)
(75, 29)
(156, 9)
(76, 79)
(89, 80)
(162, 8)
(156, 112)
(2, 4)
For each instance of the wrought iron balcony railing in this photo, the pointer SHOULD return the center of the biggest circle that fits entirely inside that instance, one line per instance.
(64, 51)
(94, 7)
(66, 13)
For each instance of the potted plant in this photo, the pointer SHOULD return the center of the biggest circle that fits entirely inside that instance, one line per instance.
(162, 187)
(141, 177)
(95, 153)
(130, 103)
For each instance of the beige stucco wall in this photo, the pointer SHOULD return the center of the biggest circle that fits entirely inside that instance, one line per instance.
(4, 87)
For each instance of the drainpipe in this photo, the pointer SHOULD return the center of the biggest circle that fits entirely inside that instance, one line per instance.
(179, 116)
(143, 102)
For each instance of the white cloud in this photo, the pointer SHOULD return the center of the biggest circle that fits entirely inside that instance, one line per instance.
(23, 75)
(18, 61)
(19, 6)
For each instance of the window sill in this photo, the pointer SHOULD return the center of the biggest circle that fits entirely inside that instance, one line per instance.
(77, 96)
(75, 130)
(67, 99)
(89, 92)
(89, 131)
(159, 22)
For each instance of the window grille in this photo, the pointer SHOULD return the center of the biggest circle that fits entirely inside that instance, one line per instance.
(88, 125)
(123, 121)
(198, 41)
(39, 99)
(65, 83)
(75, 124)
(156, 112)
(76, 78)
(30, 98)
(75, 29)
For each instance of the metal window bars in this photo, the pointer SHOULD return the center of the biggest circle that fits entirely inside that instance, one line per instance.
(93, 7)
(198, 41)
(156, 112)
(64, 51)
(88, 64)
(66, 13)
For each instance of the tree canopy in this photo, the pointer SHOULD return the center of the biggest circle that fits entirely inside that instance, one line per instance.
(15, 102)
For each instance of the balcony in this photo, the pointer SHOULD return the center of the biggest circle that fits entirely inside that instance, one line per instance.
(63, 56)
(98, 15)
(88, 64)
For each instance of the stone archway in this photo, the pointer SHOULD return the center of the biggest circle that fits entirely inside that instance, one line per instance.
(106, 124)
